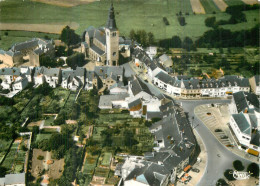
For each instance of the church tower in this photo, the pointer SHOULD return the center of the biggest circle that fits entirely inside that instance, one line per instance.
(112, 39)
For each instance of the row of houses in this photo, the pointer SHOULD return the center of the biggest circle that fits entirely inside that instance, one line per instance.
(244, 121)
(158, 70)
(173, 154)
(18, 78)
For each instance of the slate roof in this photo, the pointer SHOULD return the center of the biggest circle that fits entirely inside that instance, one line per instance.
(100, 35)
(242, 123)
(243, 99)
(166, 60)
(138, 86)
(90, 75)
(166, 78)
(106, 100)
(14, 71)
(109, 71)
(151, 115)
(255, 140)
(2, 181)
(97, 50)
(90, 30)
(24, 45)
(51, 71)
(12, 179)
(151, 174)
(134, 103)
(257, 80)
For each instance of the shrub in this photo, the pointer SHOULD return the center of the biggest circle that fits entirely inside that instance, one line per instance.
(253, 168)
(238, 165)
(181, 20)
(166, 22)
(40, 157)
(229, 174)
(221, 182)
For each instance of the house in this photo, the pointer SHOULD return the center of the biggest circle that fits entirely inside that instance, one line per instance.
(32, 50)
(243, 127)
(73, 79)
(102, 44)
(151, 51)
(38, 77)
(136, 108)
(243, 102)
(90, 75)
(118, 88)
(151, 102)
(20, 83)
(166, 60)
(52, 76)
(255, 84)
(8, 76)
(28, 72)
(113, 101)
(108, 75)
(13, 180)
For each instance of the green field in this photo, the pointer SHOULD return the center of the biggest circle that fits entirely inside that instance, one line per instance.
(209, 6)
(130, 14)
(234, 2)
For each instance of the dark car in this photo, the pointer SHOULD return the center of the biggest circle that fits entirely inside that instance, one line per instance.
(223, 137)
(218, 130)
(195, 170)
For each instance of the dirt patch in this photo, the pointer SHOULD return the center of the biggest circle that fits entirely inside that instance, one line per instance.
(65, 3)
(221, 4)
(54, 28)
(197, 7)
(37, 123)
(54, 169)
(250, 2)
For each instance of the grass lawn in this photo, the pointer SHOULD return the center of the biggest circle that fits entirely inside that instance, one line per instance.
(130, 14)
(209, 6)
(106, 159)
(62, 94)
(41, 137)
(97, 132)
(70, 100)
(4, 145)
(48, 120)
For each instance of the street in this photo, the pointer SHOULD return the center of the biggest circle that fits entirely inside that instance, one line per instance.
(219, 158)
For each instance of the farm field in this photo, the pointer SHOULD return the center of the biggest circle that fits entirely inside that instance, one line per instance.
(209, 6)
(145, 14)
(234, 2)
(197, 7)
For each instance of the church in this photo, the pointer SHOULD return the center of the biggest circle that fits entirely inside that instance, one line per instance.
(101, 45)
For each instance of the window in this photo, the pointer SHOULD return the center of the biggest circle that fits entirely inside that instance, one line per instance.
(114, 53)
(114, 34)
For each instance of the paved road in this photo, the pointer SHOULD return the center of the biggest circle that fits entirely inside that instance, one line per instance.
(215, 165)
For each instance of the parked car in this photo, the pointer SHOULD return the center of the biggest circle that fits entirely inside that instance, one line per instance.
(223, 137)
(195, 170)
(218, 130)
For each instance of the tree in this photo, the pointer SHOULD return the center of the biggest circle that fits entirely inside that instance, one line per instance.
(210, 21)
(150, 38)
(75, 60)
(69, 36)
(237, 164)
(176, 42)
(187, 43)
(181, 20)
(221, 182)
(2, 171)
(229, 174)
(254, 169)
(60, 51)
(132, 35)
(6, 33)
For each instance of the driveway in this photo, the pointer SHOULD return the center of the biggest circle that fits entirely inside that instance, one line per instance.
(219, 158)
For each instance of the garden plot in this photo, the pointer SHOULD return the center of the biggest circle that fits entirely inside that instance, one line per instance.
(106, 158)
(4, 146)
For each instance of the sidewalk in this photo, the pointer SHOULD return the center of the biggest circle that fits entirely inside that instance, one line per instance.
(217, 117)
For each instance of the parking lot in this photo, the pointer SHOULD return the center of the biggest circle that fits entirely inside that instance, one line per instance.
(216, 118)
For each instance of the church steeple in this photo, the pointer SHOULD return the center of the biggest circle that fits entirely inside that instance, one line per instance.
(111, 21)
